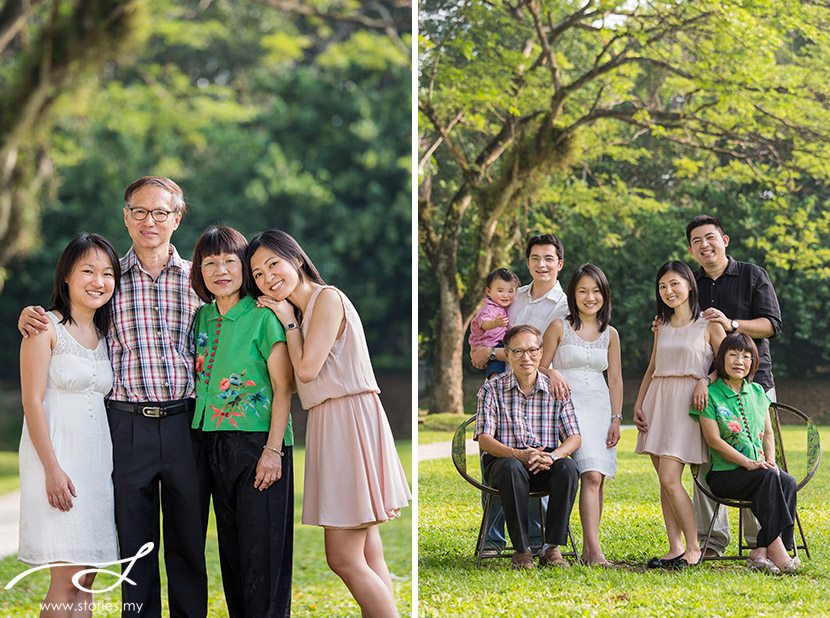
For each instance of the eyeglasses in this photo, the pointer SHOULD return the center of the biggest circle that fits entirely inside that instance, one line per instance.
(520, 352)
(214, 264)
(159, 216)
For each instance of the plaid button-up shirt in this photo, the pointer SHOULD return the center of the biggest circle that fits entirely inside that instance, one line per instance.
(151, 336)
(518, 421)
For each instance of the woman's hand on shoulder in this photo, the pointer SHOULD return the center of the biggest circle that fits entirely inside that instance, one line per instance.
(283, 309)
(32, 321)
(268, 469)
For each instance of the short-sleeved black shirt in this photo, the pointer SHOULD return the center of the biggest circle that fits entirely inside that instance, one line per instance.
(744, 292)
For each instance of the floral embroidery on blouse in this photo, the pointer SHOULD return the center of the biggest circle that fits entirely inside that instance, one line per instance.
(241, 396)
(732, 432)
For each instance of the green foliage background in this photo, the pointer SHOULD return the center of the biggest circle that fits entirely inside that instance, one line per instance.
(265, 119)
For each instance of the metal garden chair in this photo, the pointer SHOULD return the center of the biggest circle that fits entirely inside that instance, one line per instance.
(813, 459)
(459, 458)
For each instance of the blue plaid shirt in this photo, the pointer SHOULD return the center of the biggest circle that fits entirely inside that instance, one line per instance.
(518, 421)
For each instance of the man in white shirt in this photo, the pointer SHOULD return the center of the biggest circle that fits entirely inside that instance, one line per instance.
(538, 304)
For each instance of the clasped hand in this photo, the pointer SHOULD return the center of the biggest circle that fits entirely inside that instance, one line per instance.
(762, 464)
(535, 459)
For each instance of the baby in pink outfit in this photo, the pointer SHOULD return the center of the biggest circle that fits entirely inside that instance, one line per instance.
(490, 323)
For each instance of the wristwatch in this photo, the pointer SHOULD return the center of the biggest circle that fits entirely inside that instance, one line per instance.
(734, 324)
(291, 326)
(492, 354)
(553, 456)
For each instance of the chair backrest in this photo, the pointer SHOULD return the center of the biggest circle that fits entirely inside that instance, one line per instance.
(459, 455)
(776, 410)
(813, 450)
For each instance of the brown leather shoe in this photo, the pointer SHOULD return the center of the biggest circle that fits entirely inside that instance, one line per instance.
(553, 557)
(522, 560)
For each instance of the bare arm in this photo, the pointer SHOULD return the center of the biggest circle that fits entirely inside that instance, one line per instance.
(550, 342)
(756, 328)
(327, 321)
(479, 356)
(32, 321)
(35, 355)
(711, 433)
(615, 387)
(716, 335)
(700, 396)
(769, 440)
(494, 323)
(269, 466)
(639, 417)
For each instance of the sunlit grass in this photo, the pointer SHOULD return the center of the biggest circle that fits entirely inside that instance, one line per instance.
(317, 591)
(631, 532)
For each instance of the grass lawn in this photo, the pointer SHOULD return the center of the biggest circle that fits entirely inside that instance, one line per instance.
(438, 427)
(316, 590)
(631, 532)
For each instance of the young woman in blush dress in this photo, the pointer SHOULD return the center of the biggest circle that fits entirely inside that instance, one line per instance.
(353, 477)
(684, 345)
(583, 346)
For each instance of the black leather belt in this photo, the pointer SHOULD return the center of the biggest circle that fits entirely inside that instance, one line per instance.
(152, 409)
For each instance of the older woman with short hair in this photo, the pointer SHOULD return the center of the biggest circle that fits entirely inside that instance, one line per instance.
(243, 398)
(737, 427)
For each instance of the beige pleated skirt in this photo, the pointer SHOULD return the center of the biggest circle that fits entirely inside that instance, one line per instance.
(353, 476)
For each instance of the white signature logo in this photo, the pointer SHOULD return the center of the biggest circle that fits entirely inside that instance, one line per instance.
(122, 577)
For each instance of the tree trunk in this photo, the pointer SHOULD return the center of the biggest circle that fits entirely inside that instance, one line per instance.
(446, 393)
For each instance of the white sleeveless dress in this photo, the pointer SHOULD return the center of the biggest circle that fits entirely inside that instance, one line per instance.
(77, 381)
(582, 363)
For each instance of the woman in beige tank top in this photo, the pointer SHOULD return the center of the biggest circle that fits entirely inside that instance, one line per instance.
(353, 477)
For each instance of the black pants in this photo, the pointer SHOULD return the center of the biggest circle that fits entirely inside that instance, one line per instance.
(773, 499)
(255, 528)
(515, 482)
(161, 459)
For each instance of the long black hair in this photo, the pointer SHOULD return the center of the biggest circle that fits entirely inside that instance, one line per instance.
(77, 248)
(284, 245)
(604, 314)
(664, 312)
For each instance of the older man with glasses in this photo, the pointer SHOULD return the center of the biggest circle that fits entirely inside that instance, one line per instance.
(527, 436)
(157, 457)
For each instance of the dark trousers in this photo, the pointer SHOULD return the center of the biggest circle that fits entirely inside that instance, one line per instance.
(515, 482)
(161, 460)
(255, 528)
(773, 499)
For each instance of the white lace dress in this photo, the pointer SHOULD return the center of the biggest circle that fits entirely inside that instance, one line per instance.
(77, 381)
(582, 364)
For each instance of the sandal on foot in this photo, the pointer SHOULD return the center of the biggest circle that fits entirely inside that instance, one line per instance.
(762, 564)
(792, 565)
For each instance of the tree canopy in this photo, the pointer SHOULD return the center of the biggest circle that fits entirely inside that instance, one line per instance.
(268, 114)
(532, 107)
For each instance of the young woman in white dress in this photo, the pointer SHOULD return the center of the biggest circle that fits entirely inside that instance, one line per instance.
(581, 347)
(66, 502)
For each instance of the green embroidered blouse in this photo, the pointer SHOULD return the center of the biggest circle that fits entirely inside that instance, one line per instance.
(741, 418)
(233, 387)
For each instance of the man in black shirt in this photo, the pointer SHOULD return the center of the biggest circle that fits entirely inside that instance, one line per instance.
(740, 296)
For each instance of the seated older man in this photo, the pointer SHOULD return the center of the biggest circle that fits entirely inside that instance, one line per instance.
(519, 427)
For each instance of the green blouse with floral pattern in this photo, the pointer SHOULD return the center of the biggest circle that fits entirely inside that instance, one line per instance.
(233, 387)
(741, 418)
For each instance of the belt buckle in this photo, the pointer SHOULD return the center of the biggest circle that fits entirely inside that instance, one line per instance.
(152, 412)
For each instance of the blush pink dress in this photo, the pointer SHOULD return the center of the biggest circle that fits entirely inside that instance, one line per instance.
(683, 357)
(353, 476)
